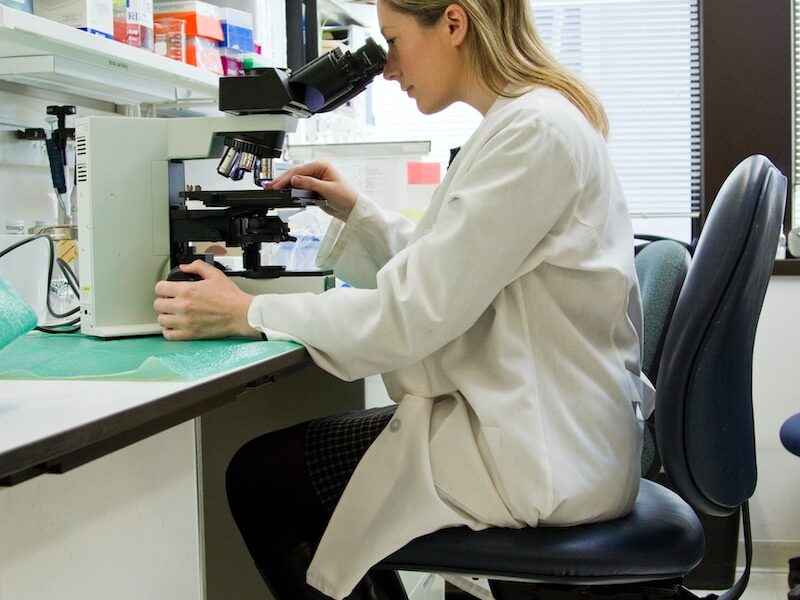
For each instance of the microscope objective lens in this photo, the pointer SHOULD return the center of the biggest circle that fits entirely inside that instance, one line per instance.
(263, 171)
(228, 162)
(247, 161)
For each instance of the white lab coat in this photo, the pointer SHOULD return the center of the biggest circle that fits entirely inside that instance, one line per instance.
(506, 326)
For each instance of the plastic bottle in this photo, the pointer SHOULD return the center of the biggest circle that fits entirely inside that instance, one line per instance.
(15, 227)
(781, 252)
(793, 243)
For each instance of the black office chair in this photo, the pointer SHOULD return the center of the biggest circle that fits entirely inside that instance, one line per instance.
(661, 267)
(704, 430)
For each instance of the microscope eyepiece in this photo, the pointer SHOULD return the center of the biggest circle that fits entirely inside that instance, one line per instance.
(322, 85)
(332, 79)
(370, 59)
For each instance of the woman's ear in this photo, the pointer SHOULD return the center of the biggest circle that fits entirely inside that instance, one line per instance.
(457, 22)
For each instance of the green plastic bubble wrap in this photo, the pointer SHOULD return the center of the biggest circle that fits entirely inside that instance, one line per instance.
(73, 356)
(16, 317)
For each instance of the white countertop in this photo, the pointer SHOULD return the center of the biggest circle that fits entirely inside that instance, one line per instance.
(51, 425)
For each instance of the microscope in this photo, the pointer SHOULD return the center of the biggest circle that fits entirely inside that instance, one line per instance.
(137, 217)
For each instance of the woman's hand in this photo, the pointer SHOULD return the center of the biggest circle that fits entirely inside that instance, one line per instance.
(320, 177)
(214, 307)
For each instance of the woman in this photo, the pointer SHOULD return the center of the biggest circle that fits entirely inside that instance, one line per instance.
(506, 324)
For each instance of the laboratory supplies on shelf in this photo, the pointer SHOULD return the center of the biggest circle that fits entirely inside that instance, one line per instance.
(133, 23)
(23, 5)
(203, 30)
(93, 16)
(47, 55)
(237, 29)
(170, 38)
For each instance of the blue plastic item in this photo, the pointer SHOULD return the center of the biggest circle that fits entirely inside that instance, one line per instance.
(237, 37)
(790, 434)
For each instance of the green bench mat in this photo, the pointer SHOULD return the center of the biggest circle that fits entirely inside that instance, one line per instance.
(40, 355)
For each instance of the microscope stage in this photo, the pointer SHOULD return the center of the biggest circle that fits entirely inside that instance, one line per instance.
(288, 198)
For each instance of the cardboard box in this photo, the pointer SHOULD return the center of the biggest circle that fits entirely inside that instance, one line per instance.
(133, 23)
(94, 16)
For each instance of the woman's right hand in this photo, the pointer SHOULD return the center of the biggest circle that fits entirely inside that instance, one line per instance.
(320, 177)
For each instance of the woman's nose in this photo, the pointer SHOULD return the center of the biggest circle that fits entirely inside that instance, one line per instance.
(389, 70)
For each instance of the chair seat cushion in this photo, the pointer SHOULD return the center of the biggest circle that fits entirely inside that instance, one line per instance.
(661, 538)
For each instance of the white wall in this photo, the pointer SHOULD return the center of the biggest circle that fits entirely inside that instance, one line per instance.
(25, 182)
(775, 509)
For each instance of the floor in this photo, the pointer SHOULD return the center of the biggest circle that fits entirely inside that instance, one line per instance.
(763, 585)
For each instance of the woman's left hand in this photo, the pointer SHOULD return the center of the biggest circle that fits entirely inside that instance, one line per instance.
(213, 307)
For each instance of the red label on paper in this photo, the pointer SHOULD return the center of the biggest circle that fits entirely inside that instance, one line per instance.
(423, 172)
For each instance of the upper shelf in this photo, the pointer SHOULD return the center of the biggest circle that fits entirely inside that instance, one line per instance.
(41, 53)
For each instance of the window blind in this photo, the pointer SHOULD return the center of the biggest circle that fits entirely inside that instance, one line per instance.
(642, 58)
(796, 96)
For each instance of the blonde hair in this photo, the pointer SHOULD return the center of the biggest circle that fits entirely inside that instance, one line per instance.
(504, 48)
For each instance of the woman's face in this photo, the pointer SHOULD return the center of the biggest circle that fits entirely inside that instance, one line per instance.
(423, 60)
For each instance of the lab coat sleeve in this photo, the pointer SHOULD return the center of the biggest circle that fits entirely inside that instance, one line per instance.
(357, 249)
(433, 290)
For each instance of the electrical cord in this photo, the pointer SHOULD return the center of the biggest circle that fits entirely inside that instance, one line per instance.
(60, 328)
(69, 275)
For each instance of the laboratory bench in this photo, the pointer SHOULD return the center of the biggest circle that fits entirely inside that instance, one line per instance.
(116, 488)
(53, 425)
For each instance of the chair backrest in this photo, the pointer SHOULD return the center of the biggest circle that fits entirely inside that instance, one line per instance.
(661, 268)
(704, 423)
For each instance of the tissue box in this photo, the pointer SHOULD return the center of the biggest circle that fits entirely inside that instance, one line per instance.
(23, 5)
(94, 16)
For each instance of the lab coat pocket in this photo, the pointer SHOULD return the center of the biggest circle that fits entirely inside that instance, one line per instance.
(462, 469)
